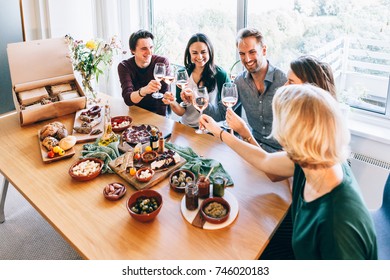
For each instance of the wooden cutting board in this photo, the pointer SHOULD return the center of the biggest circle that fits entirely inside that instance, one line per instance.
(69, 153)
(81, 138)
(158, 176)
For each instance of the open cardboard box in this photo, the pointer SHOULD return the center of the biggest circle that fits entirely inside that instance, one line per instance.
(42, 63)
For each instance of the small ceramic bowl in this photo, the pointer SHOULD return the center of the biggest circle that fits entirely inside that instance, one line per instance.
(149, 156)
(114, 191)
(140, 174)
(86, 169)
(133, 206)
(208, 217)
(120, 123)
(182, 181)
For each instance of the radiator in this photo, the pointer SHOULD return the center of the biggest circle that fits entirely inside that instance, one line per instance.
(371, 174)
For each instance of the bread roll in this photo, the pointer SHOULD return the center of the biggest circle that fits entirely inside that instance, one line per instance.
(49, 143)
(48, 130)
(68, 142)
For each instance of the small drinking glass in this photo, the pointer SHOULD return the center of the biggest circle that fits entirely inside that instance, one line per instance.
(159, 74)
(219, 186)
(229, 97)
(200, 101)
(192, 196)
(182, 83)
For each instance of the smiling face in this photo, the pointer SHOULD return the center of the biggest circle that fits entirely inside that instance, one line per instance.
(199, 54)
(252, 54)
(292, 79)
(143, 52)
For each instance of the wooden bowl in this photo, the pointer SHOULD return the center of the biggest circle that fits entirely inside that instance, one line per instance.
(180, 188)
(120, 123)
(138, 174)
(149, 156)
(215, 220)
(144, 194)
(79, 169)
(114, 191)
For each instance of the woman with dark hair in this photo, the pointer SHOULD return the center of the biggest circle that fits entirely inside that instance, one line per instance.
(308, 69)
(202, 72)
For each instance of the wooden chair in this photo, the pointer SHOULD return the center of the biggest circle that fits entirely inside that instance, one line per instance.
(381, 219)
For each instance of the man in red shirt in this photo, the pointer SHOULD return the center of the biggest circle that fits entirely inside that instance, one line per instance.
(136, 74)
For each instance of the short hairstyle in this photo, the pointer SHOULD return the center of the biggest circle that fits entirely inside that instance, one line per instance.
(208, 74)
(310, 70)
(250, 32)
(309, 125)
(140, 34)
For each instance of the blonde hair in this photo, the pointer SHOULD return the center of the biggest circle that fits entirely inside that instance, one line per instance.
(309, 125)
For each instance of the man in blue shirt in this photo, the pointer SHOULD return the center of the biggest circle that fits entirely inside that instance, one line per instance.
(256, 87)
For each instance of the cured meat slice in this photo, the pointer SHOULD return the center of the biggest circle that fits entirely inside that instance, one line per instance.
(137, 134)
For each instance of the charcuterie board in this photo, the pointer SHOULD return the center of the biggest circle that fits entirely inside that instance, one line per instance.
(158, 176)
(87, 137)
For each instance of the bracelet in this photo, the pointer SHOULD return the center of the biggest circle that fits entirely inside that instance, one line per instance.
(220, 135)
(139, 93)
(247, 139)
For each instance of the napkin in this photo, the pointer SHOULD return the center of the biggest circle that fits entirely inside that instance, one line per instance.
(105, 153)
(200, 165)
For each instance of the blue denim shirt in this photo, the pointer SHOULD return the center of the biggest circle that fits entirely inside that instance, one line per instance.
(258, 107)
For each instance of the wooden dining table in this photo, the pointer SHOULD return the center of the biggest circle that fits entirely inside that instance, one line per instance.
(101, 229)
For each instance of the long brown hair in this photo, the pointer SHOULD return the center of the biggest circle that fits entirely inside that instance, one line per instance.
(310, 70)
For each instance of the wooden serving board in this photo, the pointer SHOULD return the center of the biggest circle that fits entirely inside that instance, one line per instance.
(196, 219)
(81, 138)
(69, 153)
(158, 176)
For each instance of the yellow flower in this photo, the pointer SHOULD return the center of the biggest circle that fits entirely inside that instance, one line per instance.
(91, 45)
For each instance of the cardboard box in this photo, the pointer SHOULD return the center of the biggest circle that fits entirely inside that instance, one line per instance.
(40, 64)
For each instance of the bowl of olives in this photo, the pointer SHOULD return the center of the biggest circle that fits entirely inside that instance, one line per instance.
(144, 205)
(180, 178)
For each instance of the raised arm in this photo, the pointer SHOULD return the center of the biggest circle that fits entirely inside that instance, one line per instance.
(271, 163)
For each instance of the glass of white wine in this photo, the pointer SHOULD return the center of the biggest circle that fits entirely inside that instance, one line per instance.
(169, 77)
(159, 74)
(200, 101)
(229, 97)
(182, 83)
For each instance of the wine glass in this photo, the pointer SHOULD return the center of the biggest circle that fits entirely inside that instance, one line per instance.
(200, 101)
(169, 76)
(229, 97)
(182, 83)
(159, 73)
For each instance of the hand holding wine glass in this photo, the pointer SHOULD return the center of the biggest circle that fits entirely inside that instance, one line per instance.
(182, 83)
(159, 73)
(200, 101)
(229, 97)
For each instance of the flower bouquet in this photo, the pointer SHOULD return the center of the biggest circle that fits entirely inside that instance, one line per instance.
(92, 58)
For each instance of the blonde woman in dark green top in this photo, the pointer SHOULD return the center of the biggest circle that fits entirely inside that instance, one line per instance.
(330, 220)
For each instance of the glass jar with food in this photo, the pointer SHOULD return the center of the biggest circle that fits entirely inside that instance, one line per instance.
(218, 186)
(192, 196)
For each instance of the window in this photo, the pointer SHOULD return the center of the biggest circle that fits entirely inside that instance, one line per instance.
(174, 21)
(353, 36)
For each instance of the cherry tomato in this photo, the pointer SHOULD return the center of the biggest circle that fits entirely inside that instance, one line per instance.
(61, 152)
(51, 154)
(137, 156)
(133, 171)
(56, 149)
